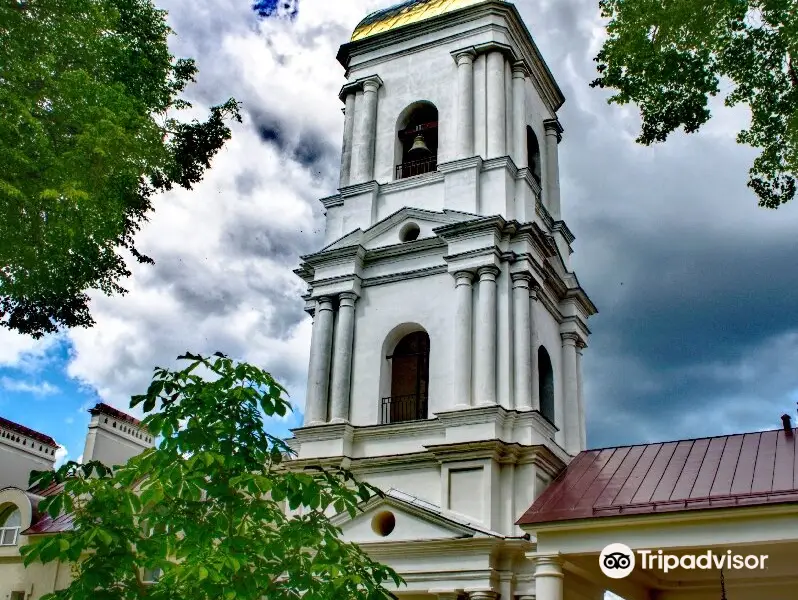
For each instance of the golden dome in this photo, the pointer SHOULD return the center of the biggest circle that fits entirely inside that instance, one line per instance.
(405, 13)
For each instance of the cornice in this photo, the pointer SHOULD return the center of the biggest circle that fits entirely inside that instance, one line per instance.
(561, 228)
(409, 183)
(331, 201)
(540, 74)
(335, 256)
(478, 225)
(404, 276)
(403, 249)
(526, 175)
(462, 164)
(420, 548)
(357, 86)
(713, 515)
(359, 188)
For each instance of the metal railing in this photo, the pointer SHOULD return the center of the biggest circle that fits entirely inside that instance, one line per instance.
(8, 536)
(416, 167)
(398, 409)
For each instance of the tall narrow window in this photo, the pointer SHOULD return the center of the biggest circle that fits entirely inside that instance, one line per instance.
(546, 383)
(10, 524)
(409, 380)
(417, 140)
(533, 153)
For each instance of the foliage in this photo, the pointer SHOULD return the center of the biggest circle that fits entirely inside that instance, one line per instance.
(207, 506)
(669, 57)
(88, 94)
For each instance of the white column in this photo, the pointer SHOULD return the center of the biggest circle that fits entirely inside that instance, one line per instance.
(551, 199)
(497, 105)
(342, 363)
(465, 104)
(580, 396)
(485, 359)
(519, 116)
(464, 299)
(349, 130)
(482, 595)
(548, 576)
(533, 341)
(522, 348)
(319, 369)
(364, 167)
(570, 388)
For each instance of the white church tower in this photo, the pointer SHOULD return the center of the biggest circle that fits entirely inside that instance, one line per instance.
(448, 328)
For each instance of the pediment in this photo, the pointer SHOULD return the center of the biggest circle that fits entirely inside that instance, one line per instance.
(409, 521)
(388, 232)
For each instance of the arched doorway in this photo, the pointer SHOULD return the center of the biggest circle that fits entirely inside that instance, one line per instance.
(546, 384)
(409, 380)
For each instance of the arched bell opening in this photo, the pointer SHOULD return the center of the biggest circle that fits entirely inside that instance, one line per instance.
(408, 380)
(417, 140)
(546, 384)
(533, 153)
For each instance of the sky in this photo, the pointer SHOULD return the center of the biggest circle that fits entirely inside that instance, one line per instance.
(697, 333)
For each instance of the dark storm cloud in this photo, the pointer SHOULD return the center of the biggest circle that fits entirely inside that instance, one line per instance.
(260, 238)
(695, 283)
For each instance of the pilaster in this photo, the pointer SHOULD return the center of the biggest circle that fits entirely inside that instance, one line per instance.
(522, 327)
(485, 367)
(551, 198)
(463, 338)
(342, 361)
(319, 368)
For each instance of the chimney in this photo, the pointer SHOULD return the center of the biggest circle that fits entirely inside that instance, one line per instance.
(787, 424)
(114, 437)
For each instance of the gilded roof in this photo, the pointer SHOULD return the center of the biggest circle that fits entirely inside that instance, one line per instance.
(405, 13)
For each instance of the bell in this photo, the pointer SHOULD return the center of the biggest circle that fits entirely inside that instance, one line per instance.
(419, 147)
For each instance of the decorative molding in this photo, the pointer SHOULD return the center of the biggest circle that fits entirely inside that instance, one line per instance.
(358, 86)
(404, 276)
(359, 188)
(461, 164)
(470, 52)
(561, 228)
(554, 125)
(409, 183)
(515, 29)
(332, 201)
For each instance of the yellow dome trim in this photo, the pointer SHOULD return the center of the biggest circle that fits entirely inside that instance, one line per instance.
(411, 11)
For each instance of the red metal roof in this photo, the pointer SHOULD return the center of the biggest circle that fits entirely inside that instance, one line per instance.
(104, 409)
(42, 523)
(22, 430)
(747, 469)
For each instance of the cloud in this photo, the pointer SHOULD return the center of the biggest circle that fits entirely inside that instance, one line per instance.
(42, 388)
(61, 454)
(696, 334)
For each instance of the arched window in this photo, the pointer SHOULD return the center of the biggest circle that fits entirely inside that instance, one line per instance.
(533, 153)
(546, 384)
(10, 523)
(417, 140)
(409, 380)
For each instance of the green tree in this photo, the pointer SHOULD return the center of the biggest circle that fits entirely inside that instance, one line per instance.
(670, 56)
(206, 506)
(89, 98)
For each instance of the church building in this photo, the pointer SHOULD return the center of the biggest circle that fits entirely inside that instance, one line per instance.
(448, 325)
(448, 334)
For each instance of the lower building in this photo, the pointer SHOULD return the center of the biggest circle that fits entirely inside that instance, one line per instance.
(112, 438)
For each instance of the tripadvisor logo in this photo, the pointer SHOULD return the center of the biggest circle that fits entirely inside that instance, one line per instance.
(618, 561)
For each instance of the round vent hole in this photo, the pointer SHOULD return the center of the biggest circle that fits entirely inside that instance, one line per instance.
(409, 232)
(383, 523)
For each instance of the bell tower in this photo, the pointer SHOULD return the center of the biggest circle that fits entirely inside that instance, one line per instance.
(448, 328)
